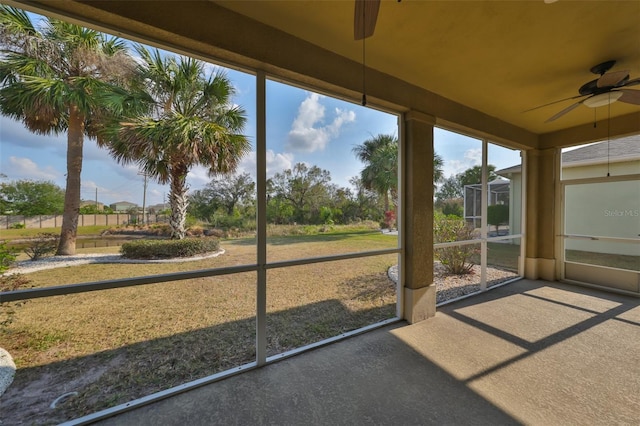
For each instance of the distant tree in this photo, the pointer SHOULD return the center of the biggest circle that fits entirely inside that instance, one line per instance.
(201, 205)
(453, 186)
(229, 191)
(438, 172)
(194, 122)
(57, 79)
(452, 207)
(450, 189)
(303, 188)
(91, 209)
(31, 198)
(380, 173)
(341, 206)
(473, 175)
(223, 197)
(369, 205)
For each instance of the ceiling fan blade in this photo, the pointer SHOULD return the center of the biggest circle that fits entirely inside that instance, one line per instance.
(632, 82)
(364, 18)
(630, 96)
(612, 79)
(564, 111)
(554, 102)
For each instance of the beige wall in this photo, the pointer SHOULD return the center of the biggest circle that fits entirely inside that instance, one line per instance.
(619, 168)
(515, 204)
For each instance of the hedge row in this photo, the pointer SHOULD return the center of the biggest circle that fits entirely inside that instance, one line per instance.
(166, 249)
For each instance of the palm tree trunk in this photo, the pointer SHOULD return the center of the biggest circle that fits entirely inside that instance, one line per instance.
(179, 203)
(75, 140)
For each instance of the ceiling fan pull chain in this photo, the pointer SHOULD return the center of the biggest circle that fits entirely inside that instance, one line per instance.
(364, 69)
(608, 133)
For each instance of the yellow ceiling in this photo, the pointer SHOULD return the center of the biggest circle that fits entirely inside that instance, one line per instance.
(498, 57)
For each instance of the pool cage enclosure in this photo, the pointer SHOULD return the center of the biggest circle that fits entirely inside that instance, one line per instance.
(497, 192)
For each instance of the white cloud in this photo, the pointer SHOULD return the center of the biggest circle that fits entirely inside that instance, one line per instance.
(198, 176)
(276, 162)
(308, 134)
(474, 156)
(470, 158)
(25, 168)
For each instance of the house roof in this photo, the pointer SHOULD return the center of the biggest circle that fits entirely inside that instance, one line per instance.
(623, 149)
(619, 149)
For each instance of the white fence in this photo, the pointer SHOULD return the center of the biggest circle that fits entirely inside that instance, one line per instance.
(55, 221)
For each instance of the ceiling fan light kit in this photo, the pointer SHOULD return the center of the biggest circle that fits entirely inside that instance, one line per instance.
(602, 99)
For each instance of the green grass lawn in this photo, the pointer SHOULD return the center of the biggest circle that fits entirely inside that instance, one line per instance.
(19, 234)
(603, 259)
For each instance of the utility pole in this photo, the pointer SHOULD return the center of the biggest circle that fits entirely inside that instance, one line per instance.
(144, 197)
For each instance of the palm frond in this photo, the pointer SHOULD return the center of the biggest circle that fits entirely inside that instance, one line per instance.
(14, 22)
(38, 102)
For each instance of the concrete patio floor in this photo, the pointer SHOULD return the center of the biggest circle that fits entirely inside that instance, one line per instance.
(531, 352)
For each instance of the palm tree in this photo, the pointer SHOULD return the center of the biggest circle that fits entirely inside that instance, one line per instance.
(438, 172)
(192, 123)
(54, 79)
(380, 173)
(380, 157)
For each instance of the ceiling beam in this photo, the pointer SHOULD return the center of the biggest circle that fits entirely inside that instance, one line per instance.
(602, 130)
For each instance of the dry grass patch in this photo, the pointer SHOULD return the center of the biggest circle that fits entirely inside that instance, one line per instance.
(116, 345)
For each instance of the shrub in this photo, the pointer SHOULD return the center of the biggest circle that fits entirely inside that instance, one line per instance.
(390, 219)
(44, 244)
(498, 214)
(7, 256)
(453, 207)
(152, 230)
(218, 233)
(166, 249)
(18, 226)
(457, 260)
(195, 231)
(8, 309)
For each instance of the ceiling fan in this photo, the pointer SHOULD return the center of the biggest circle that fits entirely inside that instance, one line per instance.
(365, 16)
(605, 90)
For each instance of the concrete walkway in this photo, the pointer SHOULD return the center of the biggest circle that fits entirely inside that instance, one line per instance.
(531, 352)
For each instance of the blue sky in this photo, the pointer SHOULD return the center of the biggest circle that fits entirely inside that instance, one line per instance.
(302, 126)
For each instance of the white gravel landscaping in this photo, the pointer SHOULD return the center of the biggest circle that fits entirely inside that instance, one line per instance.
(26, 266)
(449, 287)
